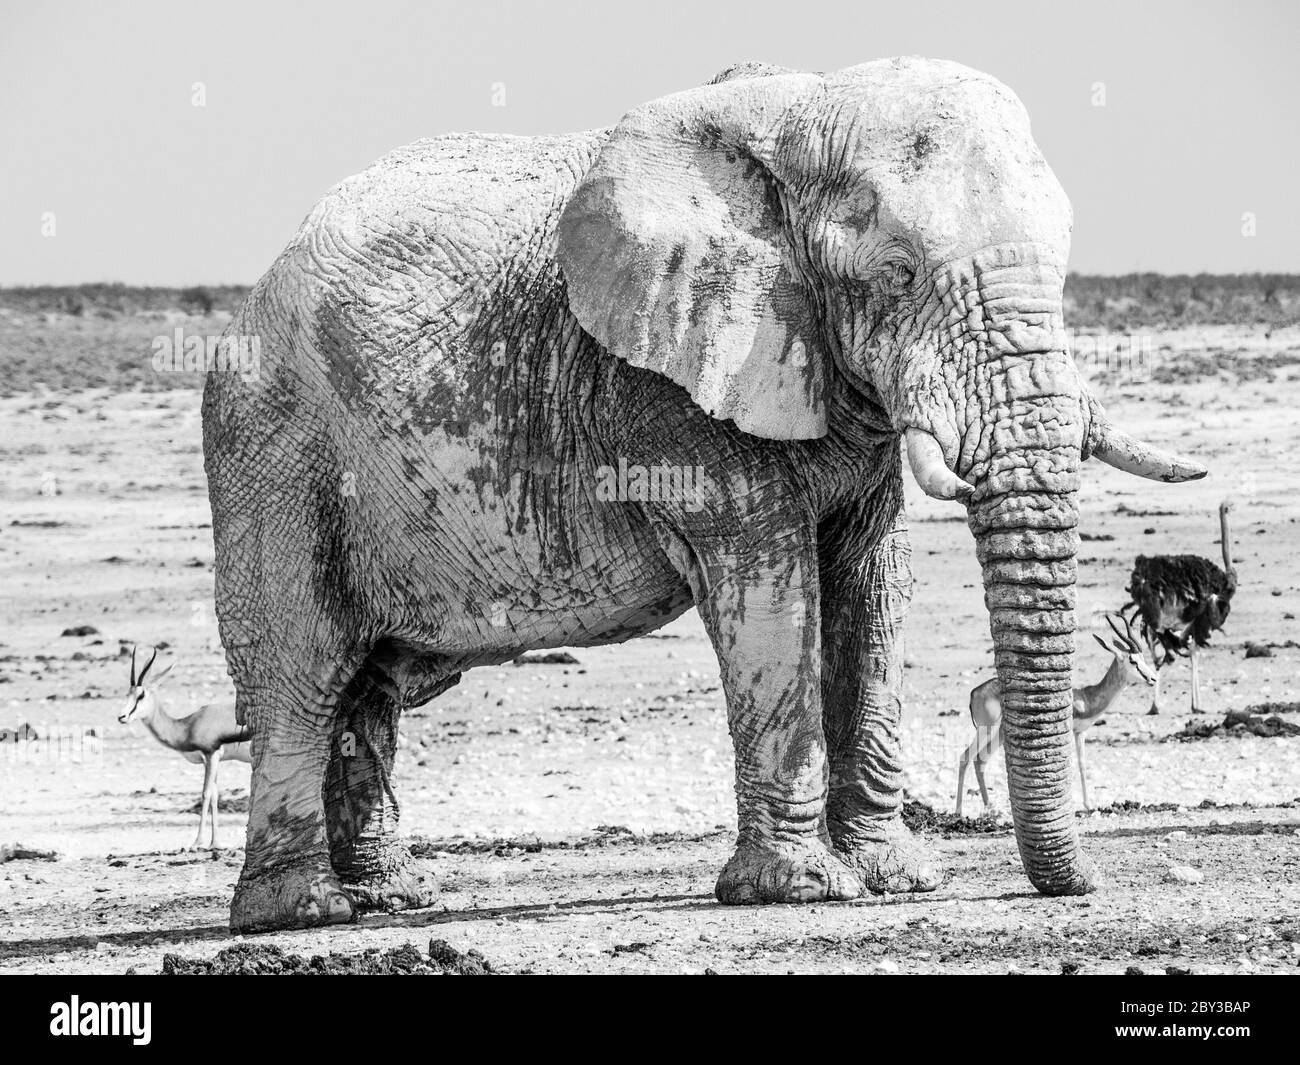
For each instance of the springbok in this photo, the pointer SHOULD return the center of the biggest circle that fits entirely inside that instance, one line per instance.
(1090, 702)
(207, 735)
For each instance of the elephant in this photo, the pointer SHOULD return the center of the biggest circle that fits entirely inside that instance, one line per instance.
(490, 365)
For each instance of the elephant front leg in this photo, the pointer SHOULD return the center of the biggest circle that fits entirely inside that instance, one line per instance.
(361, 809)
(287, 880)
(761, 615)
(867, 586)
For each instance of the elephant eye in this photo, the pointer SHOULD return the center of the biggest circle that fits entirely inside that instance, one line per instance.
(902, 275)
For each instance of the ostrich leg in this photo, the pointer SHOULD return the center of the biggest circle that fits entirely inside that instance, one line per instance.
(1196, 682)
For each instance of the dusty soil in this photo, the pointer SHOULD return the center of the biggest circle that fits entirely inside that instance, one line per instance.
(577, 813)
(266, 959)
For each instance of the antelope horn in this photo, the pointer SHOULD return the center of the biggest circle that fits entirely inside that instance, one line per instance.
(1116, 448)
(1125, 638)
(133, 665)
(925, 457)
(1128, 627)
(140, 678)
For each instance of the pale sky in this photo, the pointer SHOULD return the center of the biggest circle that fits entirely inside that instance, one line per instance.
(97, 124)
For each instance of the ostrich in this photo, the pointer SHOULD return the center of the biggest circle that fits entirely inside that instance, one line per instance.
(1182, 599)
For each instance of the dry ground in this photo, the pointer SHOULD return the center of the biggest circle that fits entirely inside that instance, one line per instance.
(578, 814)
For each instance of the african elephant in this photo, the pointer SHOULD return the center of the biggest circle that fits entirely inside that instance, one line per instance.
(767, 281)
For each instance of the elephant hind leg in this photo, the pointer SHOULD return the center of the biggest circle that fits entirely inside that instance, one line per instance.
(361, 807)
(294, 639)
(287, 880)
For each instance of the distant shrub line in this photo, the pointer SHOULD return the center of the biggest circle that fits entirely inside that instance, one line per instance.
(120, 300)
(1132, 302)
(1122, 303)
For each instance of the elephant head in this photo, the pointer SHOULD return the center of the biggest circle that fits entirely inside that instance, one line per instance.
(893, 228)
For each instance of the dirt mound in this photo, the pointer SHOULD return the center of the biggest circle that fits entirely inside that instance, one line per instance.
(921, 817)
(256, 959)
(1274, 708)
(549, 658)
(19, 852)
(234, 804)
(1128, 806)
(604, 836)
(1235, 724)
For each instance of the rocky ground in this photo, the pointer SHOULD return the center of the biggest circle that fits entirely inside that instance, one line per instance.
(578, 813)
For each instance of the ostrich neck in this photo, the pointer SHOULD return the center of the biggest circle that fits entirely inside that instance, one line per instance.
(1225, 536)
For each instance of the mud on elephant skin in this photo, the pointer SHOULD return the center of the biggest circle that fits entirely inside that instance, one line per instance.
(762, 282)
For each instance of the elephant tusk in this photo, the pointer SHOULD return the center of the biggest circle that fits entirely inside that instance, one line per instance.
(930, 470)
(1116, 448)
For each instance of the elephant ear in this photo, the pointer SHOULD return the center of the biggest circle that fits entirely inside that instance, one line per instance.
(675, 256)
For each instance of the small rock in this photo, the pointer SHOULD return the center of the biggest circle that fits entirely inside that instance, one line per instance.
(886, 965)
(1183, 874)
(1070, 968)
(1135, 970)
(1177, 970)
(1258, 650)
(80, 630)
(1176, 836)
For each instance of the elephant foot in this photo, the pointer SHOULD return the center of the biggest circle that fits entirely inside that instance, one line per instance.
(401, 883)
(805, 872)
(889, 859)
(293, 896)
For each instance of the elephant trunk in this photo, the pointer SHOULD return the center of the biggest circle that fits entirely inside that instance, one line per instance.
(1014, 461)
(1007, 439)
(1024, 515)
(1027, 545)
